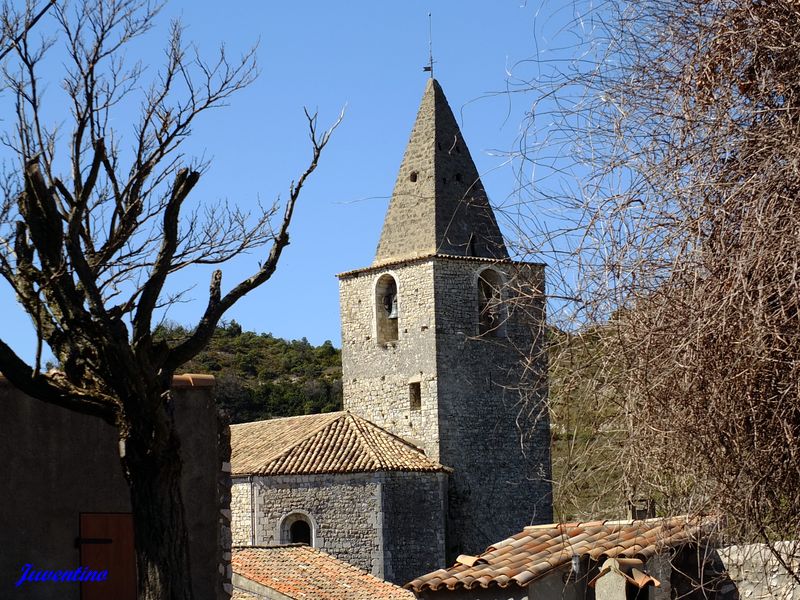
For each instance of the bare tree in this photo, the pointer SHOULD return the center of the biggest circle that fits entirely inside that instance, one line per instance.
(674, 219)
(16, 24)
(92, 228)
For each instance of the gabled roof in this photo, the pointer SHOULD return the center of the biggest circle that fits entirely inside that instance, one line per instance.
(304, 573)
(538, 550)
(338, 442)
(438, 204)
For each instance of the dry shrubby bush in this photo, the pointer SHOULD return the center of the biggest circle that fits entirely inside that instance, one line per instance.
(679, 262)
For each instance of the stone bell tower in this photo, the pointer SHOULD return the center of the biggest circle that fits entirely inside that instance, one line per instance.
(434, 333)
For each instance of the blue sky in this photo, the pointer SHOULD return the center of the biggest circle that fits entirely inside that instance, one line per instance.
(368, 56)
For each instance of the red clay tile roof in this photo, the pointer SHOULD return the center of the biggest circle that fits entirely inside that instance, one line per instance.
(338, 442)
(540, 549)
(301, 572)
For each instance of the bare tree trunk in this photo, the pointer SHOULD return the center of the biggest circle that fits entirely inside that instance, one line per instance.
(159, 517)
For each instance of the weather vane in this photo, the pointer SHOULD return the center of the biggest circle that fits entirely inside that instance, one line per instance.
(429, 67)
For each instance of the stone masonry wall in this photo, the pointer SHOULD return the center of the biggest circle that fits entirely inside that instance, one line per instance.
(757, 574)
(390, 524)
(414, 524)
(241, 530)
(476, 415)
(224, 484)
(345, 511)
(61, 464)
(376, 377)
(494, 427)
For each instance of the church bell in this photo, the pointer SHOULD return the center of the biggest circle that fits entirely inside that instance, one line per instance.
(390, 305)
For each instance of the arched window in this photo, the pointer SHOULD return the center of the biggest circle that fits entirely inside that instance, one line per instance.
(491, 311)
(297, 528)
(387, 310)
(300, 533)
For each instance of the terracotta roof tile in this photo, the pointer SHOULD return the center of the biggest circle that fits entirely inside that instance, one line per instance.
(338, 442)
(303, 573)
(538, 550)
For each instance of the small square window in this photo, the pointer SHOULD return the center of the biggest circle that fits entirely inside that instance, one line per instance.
(415, 395)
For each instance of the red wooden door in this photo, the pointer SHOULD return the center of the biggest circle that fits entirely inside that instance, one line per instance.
(106, 543)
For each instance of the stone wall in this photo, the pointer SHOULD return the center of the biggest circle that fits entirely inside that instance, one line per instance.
(477, 416)
(58, 464)
(376, 377)
(659, 566)
(224, 574)
(205, 484)
(702, 572)
(241, 517)
(493, 422)
(757, 574)
(414, 524)
(561, 585)
(344, 510)
(389, 524)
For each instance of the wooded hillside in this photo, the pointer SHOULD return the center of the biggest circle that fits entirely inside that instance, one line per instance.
(260, 376)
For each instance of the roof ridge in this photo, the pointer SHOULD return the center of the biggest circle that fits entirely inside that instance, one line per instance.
(537, 551)
(240, 548)
(403, 441)
(611, 522)
(364, 441)
(274, 419)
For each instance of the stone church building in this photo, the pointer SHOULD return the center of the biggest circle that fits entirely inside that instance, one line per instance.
(443, 444)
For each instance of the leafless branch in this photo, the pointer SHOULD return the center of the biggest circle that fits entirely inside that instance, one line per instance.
(664, 159)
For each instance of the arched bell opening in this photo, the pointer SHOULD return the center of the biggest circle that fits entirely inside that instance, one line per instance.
(387, 309)
(492, 312)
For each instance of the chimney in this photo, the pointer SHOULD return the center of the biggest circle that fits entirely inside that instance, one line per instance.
(641, 509)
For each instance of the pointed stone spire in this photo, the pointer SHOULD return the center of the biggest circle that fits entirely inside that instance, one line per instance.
(438, 205)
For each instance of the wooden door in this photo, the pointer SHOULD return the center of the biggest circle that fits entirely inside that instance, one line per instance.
(106, 543)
